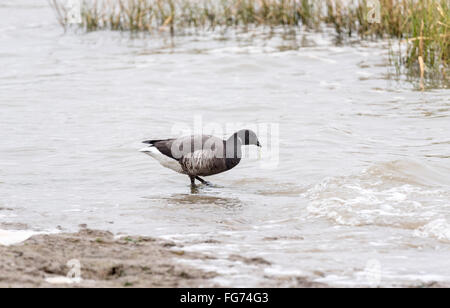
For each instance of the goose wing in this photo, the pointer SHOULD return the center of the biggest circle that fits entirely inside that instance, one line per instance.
(200, 155)
(185, 146)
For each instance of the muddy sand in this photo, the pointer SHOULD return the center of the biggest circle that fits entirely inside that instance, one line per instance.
(104, 260)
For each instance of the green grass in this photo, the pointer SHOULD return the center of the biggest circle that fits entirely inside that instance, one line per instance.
(424, 25)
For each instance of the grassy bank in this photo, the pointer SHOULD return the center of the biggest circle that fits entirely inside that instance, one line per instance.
(424, 26)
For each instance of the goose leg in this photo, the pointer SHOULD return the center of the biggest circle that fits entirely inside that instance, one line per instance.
(192, 180)
(194, 188)
(203, 181)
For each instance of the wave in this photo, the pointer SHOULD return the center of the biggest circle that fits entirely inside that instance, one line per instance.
(438, 228)
(402, 194)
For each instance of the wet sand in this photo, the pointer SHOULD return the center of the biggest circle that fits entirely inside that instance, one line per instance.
(108, 261)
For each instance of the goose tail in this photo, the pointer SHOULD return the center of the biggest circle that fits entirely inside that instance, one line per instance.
(150, 148)
(151, 142)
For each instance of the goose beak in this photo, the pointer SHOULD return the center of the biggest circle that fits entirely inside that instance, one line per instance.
(258, 144)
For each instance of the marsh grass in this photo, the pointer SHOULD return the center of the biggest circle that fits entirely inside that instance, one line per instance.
(422, 25)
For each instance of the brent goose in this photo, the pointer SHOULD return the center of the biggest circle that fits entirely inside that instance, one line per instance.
(200, 155)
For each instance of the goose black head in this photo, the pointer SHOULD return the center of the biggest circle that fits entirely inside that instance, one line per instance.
(246, 137)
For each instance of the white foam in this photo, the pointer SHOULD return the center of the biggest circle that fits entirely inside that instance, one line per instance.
(62, 280)
(337, 280)
(438, 228)
(279, 271)
(11, 237)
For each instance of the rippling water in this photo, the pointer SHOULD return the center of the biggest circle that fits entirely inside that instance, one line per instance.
(364, 160)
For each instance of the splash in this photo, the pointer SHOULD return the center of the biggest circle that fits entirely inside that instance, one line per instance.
(394, 194)
(438, 228)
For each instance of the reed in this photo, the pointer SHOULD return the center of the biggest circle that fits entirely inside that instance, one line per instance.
(423, 25)
(428, 37)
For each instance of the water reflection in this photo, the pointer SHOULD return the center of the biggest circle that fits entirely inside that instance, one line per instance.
(198, 198)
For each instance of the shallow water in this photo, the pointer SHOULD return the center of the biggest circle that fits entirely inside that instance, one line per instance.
(363, 175)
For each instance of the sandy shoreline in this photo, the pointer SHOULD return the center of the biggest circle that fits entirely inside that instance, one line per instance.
(107, 261)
